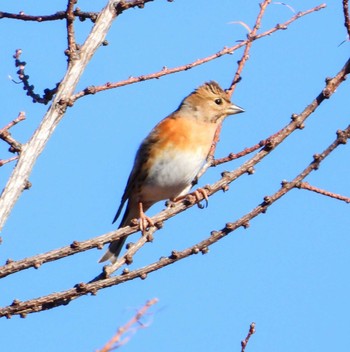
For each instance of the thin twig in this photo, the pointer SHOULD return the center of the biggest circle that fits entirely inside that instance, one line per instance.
(249, 41)
(167, 71)
(72, 49)
(59, 15)
(6, 161)
(251, 331)
(307, 186)
(48, 93)
(236, 79)
(129, 328)
(346, 16)
(232, 156)
(5, 135)
(21, 116)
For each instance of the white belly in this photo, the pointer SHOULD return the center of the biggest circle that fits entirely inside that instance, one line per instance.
(172, 174)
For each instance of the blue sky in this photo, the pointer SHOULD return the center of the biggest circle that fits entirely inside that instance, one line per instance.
(288, 272)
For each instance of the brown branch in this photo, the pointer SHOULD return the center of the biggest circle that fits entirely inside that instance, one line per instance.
(64, 297)
(346, 16)
(116, 342)
(60, 15)
(251, 331)
(167, 71)
(307, 186)
(125, 5)
(245, 56)
(82, 15)
(222, 184)
(71, 52)
(48, 93)
(5, 135)
(6, 161)
(232, 156)
(236, 79)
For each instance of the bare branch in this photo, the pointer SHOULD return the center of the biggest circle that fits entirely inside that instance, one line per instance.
(249, 41)
(222, 184)
(346, 16)
(3, 162)
(35, 146)
(60, 15)
(251, 331)
(5, 135)
(130, 327)
(307, 186)
(167, 71)
(48, 93)
(71, 52)
(236, 79)
(64, 297)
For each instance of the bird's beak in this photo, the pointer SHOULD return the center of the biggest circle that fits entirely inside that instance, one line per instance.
(234, 109)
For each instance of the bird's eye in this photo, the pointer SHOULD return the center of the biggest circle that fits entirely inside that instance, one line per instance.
(218, 101)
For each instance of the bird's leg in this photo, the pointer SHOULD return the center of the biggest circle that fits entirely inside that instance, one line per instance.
(196, 193)
(145, 221)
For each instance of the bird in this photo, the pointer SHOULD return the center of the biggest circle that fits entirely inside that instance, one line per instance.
(170, 157)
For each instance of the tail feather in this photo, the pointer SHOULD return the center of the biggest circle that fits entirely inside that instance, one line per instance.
(115, 247)
(113, 251)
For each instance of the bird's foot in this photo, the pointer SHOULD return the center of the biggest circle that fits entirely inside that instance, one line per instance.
(145, 221)
(199, 194)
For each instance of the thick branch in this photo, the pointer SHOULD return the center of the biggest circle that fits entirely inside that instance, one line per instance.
(37, 143)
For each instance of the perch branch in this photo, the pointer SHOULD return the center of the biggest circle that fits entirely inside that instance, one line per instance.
(64, 297)
(297, 122)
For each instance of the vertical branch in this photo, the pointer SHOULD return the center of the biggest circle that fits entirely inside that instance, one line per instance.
(236, 79)
(346, 16)
(31, 150)
(70, 29)
(251, 331)
(245, 56)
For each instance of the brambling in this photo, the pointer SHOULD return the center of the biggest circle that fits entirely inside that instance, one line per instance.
(170, 157)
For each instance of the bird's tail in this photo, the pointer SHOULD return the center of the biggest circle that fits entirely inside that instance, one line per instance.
(113, 251)
(115, 247)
